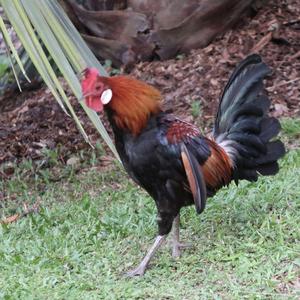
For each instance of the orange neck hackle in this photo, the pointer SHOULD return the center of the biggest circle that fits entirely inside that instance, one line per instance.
(133, 102)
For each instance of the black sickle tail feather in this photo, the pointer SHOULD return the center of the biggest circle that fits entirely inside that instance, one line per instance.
(243, 127)
(195, 178)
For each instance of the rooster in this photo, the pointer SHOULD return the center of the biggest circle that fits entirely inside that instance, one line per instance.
(171, 159)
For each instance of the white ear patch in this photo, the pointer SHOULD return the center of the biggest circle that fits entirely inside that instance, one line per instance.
(106, 96)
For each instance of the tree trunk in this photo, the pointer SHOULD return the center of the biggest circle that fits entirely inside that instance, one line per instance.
(129, 31)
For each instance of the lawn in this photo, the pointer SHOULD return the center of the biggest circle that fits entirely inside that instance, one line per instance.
(96, 224)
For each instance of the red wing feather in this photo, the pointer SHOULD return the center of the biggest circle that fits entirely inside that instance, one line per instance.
(180, 131)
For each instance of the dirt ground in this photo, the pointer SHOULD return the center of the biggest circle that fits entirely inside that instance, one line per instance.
(34, 122)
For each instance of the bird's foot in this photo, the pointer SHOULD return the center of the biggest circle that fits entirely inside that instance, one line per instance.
(177, 247)
(139, 271)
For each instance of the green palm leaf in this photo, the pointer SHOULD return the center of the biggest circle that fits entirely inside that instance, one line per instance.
(44, 23)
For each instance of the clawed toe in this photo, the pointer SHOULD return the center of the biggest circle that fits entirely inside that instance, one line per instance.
(136, 272)
(177, 247)
(185, 245)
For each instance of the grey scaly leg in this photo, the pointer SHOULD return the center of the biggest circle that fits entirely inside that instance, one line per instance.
(140, 270)
(177, 246)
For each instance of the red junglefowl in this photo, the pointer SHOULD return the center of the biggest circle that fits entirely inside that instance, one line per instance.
(171, 159)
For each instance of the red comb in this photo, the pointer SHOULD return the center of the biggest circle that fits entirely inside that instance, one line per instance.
(88, 88)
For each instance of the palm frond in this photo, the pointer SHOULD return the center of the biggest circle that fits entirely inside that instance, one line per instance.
(43, 24)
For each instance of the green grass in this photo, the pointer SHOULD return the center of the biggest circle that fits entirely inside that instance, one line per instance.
(95, 225)
(196, 109)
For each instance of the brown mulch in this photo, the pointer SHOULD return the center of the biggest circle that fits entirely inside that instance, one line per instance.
(39, 124)
(34, 122)
(274, 33)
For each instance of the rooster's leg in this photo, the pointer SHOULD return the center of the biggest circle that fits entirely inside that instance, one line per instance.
(140, 270)
(177, 246)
